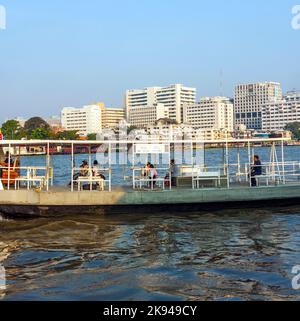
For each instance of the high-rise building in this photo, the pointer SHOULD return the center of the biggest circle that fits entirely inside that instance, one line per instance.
(249, 100)
(276, 115)
(210, 113)
(142, 116)
(174, 97)
(86, 120)
(91, 119)
(111, 117)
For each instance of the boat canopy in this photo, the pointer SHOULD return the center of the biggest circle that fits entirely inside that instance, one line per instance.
(7, 143)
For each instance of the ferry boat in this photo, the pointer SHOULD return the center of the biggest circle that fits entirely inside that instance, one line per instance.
(191, 186)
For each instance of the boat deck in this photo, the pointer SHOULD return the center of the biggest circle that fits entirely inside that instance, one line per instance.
(61, 200)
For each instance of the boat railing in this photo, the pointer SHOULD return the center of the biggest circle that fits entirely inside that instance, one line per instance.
(279, 172)
(30, 176)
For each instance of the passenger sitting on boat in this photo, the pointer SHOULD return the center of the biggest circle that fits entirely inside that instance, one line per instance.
(256, 170)
(153, 175)
(84, 169)
(174, 172)
(82, 172)
(146, 170)
(96, 170)
(7, 160)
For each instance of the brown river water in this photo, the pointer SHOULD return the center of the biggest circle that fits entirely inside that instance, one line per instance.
(222, 255)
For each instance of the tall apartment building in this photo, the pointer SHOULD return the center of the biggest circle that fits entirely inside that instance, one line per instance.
(249, 100)
(142, 116)
(91, 119)
(276, 115)
(87, 120)
(210, 113)
(111, 117)
(174, 97)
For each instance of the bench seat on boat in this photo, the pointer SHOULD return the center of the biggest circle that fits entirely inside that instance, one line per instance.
(212, 177)
(41, 180)
(90, 180)
(197, 178)
(268, 177)
(145, 181)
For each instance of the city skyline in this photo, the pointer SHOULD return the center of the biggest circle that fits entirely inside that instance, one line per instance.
(60, 54)
(199, 98)
(48, 114)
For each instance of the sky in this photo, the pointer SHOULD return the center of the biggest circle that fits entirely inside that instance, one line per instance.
(71, 53)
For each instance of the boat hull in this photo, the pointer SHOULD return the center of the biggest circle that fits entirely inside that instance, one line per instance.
(56, 203)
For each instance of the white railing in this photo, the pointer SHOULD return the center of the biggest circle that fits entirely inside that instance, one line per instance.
(277, 173)
(273, 173)
(31, 176)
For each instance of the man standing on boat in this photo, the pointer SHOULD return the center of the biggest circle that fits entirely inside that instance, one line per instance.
(256, 170)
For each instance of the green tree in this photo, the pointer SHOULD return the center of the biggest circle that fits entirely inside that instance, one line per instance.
(92, 136)
(166, 121)
(11, 129)
(36, 123)
(40, 133)
(131, 128)
(67, 135)
(22, 133)
(295, 129)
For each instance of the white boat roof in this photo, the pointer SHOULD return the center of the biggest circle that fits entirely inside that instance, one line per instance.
(5, 143)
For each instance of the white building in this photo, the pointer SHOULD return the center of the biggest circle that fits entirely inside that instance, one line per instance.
(174, 97)
(210, 113)
(276, 115)
(91, 119)
(111, 117)
(142, 116)
(165, 129)
(86, 120)
(249, 100)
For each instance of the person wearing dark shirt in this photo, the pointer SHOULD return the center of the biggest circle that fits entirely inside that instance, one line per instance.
(5, 164)
(6, 161)
(256, 170)
(174, 170)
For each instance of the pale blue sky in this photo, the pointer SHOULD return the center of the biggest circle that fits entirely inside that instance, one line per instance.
(69, 53)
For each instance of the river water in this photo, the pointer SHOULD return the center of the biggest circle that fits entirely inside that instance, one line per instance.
(222, 255)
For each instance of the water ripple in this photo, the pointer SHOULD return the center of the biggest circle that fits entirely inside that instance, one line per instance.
(231, 255)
